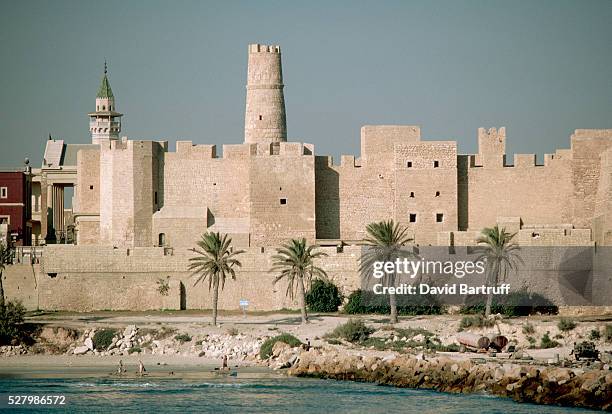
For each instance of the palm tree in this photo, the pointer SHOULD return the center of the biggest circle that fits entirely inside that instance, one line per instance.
(215, 261)
(294, 261)
(500, 253)
(386, 240)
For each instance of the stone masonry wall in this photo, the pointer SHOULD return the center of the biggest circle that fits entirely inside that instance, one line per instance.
(85, 278)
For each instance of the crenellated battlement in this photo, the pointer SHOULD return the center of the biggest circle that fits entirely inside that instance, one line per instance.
(259, 48)
(198, 150)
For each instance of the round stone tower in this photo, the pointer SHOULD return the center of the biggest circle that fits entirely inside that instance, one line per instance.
(265, 120)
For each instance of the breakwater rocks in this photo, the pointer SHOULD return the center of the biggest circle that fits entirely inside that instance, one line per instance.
(590, 388)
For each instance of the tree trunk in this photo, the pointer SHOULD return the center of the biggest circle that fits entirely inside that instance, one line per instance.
(393, 306)
(491, 282)
(393, 300)
(488, 307)
(215, 300)
(302, 301)
(2, 304)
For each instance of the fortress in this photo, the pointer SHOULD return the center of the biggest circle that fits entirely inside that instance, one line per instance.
(138, 207)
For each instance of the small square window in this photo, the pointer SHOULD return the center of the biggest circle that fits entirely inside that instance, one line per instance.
(4, 192)
(91, 187)
(439, 218)
(283, 201)
(437, 194)
(409, 164)
(412, 217)
(436, 164)
(412, 194)
(260, 117)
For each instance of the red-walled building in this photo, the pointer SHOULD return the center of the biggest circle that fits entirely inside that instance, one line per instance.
(15, 205)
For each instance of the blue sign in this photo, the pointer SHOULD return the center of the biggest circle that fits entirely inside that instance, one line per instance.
(244, 302)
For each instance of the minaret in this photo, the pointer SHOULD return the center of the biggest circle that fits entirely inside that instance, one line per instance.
(265, 119)
(105, 123)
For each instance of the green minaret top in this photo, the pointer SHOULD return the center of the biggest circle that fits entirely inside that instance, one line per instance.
(105, 90)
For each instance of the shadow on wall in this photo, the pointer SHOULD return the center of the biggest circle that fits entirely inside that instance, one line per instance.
(462, 192)
(327, 200)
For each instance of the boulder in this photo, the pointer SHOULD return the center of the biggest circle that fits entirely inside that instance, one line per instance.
(129, 331)
(89, 344)
(278, 348)
(80, 350)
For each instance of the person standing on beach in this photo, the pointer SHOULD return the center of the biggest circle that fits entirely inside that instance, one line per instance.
(141, 369)
(120, 369)
(224, 366)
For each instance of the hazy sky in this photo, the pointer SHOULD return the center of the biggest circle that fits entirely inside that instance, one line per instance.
(178, 69)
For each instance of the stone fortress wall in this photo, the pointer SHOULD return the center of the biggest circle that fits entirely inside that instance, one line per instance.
(139, 208)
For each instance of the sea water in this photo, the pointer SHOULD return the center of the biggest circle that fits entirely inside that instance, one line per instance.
(255, 395)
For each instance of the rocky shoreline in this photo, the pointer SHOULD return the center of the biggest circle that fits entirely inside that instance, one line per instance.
(588, 388)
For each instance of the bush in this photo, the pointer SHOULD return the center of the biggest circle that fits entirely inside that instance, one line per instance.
(608, 333)
(233, 331)
(323, 296)
(102, 339)
(266, 348)
(365, 303)
(528, 329)
(134, 349)
(595, 335)
(566, 325)
(476, 321)
(12, 328)
(517, 303)
(182, 338)
(353, 331)
(546, 342)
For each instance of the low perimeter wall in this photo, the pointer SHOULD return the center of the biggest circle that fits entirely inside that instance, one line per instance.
(87, 278)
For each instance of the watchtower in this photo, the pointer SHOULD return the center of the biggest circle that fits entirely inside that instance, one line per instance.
(265, 120)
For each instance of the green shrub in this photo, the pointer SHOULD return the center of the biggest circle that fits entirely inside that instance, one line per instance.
(323, 296)
(475, 321)
(134, 349)
(233, 331)
(366, 303)
(182, 338)
(517, 303)
(594, 335)
(528, 329)
(353, 331)
(412, 332)
(532, 342)
(546, 342)
(566, 325)
(266, 348)
(102, 339)
(333, 341)
(608, 333)
(12, 328)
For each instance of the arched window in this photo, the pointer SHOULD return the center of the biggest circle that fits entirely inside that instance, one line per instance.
(103, 108)
(162, 239)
